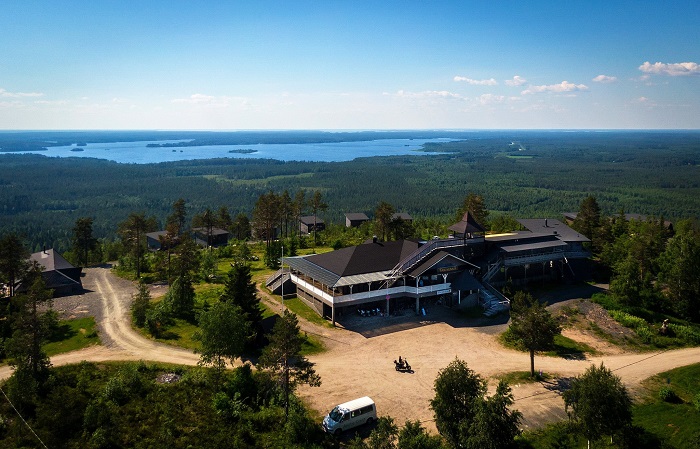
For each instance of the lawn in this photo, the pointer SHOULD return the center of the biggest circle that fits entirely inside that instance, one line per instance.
(658, 423)
(72, 335)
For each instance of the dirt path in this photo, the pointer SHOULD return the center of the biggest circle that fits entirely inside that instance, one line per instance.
(359, 361)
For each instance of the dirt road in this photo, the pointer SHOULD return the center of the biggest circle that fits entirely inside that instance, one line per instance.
(359, 362)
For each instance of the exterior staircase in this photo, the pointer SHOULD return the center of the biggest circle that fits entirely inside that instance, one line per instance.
(493, 301)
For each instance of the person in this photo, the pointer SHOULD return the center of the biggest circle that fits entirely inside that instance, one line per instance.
(400, 361)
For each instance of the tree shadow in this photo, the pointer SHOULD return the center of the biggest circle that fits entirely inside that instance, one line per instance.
(558, 385)
(62, 332)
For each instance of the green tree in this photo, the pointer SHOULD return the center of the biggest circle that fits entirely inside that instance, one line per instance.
(83, 240)
(414, 436)
(283, 359)
(599, 403)
(383, 436)
(458, 394)
(286, 211)
(678, 270)
(188, 258)
(13, 260)
(178, 218)
(223, 331)
(382, 219)
(132, 232)
(206, 221)
(239, 290)
(180, 298)
(474, 204)
(532, 324)
(208, 266)
(299, 208)
(241, 227)
(30, 331)
(495, 426)
(223, 218)
(588, 217)
(266, 215)
(140, 304)
(317, 204)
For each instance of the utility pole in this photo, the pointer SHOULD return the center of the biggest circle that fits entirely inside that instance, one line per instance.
(282, 268)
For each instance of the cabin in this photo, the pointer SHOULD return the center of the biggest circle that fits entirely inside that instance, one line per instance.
(311, 223)
(206, 237)
(402, 216)
(59, 275)
(159, 240)
(355, 219)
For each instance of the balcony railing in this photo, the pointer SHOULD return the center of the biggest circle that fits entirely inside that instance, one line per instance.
(378, 294)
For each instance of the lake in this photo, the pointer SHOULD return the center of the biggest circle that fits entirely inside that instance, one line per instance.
(141, 153)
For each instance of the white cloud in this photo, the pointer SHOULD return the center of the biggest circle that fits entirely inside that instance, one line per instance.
(6, 94)
(429, 94)
(487, 99)
(605, 79)
(473, 82)
(516, 81)
(676, 69)
(564, 86)
(196, 99)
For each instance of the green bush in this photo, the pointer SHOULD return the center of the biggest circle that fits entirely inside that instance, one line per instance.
(686, 333)
(696, 402)
(667, 394)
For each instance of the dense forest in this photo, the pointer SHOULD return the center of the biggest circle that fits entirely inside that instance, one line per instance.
(519, 173)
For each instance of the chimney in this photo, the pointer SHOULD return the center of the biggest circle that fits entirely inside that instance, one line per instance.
(44, 249)
(374, 239)
(545, 223)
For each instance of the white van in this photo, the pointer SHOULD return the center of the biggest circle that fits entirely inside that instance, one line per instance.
(350, 414)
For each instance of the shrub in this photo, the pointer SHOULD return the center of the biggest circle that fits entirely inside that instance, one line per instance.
(667, 394)
(696, 402)
(686, 333)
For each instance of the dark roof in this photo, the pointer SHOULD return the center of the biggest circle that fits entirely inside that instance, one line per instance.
(309, 220)
(401, 215)
(156, 235)
(432, 261)
(554, 227)
(356, 216)
(365, 258)
(468, 225)
(214, 231)
(50, 260)
(534, 245)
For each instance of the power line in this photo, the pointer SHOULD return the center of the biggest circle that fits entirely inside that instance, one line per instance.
(20, 417)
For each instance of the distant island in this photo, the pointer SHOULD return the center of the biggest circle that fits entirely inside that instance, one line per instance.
(77, 149)
(243, 151)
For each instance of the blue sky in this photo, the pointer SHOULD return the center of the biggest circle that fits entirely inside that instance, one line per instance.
(349, 65)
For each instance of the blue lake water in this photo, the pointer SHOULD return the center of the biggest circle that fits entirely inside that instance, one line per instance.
(139, 153)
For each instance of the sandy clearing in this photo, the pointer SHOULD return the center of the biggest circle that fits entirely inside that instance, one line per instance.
(359, 362)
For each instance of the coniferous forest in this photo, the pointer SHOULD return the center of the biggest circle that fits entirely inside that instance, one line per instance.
(542, 174)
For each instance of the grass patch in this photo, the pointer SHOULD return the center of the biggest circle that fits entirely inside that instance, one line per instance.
(568, 348)
(563, 346)
(523, 377)
(72, 335)
(312, 345)
(297, 306)
(676, 422)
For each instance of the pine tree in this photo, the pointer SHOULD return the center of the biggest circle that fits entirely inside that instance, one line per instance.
(239, 290)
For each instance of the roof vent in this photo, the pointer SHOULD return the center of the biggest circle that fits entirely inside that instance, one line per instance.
(374, 239)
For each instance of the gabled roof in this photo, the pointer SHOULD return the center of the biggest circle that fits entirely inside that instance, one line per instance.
(468, 225)
(309, 220)
(401, 215)
(214, 231)
(357, 216)
(156, 235)
(553, 227)
(434, 260)
(366, 262)
(50, 260)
